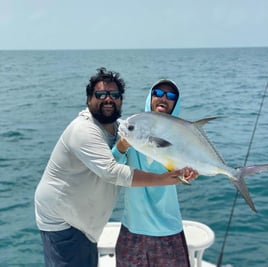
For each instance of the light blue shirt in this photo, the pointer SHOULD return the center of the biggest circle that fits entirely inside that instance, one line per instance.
(153, 210)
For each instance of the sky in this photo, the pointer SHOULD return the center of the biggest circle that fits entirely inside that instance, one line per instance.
(132, 24)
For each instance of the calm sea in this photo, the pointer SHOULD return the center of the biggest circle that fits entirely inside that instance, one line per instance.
(42, 91)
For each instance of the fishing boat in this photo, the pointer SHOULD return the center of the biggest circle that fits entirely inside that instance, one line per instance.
(198, 235)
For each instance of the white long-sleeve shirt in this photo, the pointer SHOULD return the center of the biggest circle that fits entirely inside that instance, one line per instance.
(81, 182)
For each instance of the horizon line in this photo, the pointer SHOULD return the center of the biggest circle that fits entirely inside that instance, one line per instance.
(155, 48)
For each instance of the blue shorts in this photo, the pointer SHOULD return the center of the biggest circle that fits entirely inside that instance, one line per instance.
(70, 248)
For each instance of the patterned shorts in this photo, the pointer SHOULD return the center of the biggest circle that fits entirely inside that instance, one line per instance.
(135, 250)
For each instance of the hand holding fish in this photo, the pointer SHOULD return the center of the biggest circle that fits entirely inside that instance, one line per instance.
(122, 145)
(183, 175)
(187, 174)
(142, 178)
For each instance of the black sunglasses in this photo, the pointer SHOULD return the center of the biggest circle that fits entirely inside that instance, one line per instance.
(169, 95)
(112, 94)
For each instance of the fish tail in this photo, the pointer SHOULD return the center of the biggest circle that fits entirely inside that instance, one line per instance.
(240, 184)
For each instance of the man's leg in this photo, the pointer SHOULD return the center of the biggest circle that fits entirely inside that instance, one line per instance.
(70, 248)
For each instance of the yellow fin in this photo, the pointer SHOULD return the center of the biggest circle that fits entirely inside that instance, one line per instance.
(170, 165)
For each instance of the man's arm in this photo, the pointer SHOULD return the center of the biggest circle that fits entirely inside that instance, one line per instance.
(141, 178)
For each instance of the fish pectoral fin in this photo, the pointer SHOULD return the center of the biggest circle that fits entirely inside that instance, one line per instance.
(159, 141)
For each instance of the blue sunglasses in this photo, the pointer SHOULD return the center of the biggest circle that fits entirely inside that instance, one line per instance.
(169, 95)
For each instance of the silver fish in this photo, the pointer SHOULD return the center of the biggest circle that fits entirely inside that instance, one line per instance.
(178, 143)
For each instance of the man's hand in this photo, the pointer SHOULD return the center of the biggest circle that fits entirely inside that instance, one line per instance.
(122, 145)
(187, 174)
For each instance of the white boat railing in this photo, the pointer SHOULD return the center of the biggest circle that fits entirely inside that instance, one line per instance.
(198, 236)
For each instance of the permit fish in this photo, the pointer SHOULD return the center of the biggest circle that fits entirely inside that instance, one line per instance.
(178, 143)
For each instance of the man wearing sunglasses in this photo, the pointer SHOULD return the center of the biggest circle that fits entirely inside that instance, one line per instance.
(151, 233)
(81, 182)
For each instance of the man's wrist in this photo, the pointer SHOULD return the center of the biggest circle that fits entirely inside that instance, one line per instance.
(121, 148)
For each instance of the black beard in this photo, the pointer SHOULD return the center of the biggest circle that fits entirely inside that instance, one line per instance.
(106, 120)
(98, 115)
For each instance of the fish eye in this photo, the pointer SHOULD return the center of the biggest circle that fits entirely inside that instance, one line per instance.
(130, 127)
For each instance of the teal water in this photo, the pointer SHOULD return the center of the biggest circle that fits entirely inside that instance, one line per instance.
(41, 91)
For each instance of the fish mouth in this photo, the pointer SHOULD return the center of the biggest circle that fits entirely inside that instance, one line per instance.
(122, 129)
(122, 134)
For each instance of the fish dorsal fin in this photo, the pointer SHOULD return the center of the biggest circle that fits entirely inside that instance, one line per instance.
(202, 122)
(159, 141)
(199, 125)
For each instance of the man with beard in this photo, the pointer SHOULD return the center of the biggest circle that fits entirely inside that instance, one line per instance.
(81, 182)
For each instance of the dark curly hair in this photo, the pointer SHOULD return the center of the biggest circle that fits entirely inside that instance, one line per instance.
(105, 76)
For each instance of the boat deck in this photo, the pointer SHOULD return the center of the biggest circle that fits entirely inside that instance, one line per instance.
(109, 261)
(198, 235)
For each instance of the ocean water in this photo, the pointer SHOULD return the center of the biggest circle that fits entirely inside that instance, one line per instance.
(42, 91)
